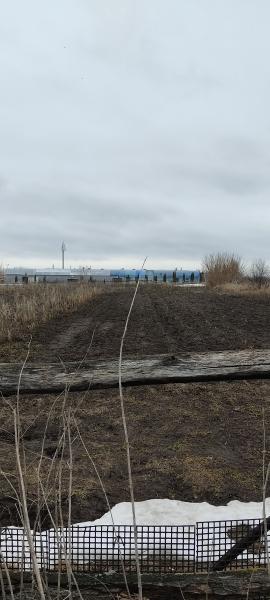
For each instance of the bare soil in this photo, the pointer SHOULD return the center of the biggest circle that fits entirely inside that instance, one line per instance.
(99, 593)
(164, 319)
(191, 442)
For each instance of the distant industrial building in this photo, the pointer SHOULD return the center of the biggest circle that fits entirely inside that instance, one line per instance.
(22, 275)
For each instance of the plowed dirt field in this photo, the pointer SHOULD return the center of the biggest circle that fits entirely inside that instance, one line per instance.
(188, 441)
(164, 319)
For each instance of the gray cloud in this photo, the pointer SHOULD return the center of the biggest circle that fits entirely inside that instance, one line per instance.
(133, 129)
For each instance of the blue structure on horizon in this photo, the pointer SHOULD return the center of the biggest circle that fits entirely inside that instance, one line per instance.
(21, 275)
(181, 276)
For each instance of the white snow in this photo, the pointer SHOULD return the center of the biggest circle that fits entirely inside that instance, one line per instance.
(176, 512)
(92, 541)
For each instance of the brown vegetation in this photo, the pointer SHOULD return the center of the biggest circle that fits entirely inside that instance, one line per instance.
(259, 276)
(222, 268)
(1, 273)
(22, 308)
(245, 288)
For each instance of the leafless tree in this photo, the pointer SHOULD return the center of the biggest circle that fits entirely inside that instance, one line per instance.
(260, 273)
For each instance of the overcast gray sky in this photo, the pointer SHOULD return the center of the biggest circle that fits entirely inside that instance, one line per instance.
(132, 128)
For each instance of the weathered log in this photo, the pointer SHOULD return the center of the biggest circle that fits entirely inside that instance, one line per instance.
(233, 583)
(211, 366)
(241, 545)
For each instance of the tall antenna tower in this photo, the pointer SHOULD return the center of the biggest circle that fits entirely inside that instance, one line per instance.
(63, 254)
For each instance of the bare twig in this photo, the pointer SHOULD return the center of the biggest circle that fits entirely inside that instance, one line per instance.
(61, 545)
(124, 421)
(70, 466)
(26, 520)
(3, 591)
(7, 575)
(264, 489)
(107, 502)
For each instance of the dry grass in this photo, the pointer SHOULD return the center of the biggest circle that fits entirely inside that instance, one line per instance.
(22, 308)
(222, 268)
(244, 288)
(1, 273)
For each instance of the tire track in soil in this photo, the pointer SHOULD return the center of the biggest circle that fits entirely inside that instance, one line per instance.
(163, 320)
(171, 328)
(105, 315)
(69, 337)
(146, 326)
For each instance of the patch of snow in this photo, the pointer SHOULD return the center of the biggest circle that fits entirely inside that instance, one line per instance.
(98, 540)
(176, 512)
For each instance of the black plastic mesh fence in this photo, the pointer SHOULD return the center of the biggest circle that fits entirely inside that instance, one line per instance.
(105, 548)
(98, 549)
(215, 538)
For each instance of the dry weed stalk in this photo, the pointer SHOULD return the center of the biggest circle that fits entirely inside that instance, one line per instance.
(26, 521)
(64, 439)
(107, 502)
(3, 591)
(67, 389)
(60, 440)
(265, 474)
(70, 467)
(124, 421)
(62, 548)
(21, 498)
(222, 268)
(22, 486)
(3, 562)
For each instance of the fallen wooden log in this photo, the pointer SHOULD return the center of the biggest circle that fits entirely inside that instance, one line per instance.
(206, 366)
(241, 545)
(233, 583)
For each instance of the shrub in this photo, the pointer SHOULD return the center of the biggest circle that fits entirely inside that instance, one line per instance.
(222, 268)
(259, 275)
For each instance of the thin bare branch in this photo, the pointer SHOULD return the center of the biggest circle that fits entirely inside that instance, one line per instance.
(124, 421)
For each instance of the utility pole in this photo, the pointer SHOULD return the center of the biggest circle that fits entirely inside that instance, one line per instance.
(63, 254)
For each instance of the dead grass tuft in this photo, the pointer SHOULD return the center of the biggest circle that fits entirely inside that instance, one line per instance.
(222, 268)
(245, 288)
(22, 308)
(200, 473)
